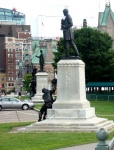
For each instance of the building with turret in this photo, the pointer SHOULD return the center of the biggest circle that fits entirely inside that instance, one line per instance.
(106, 20)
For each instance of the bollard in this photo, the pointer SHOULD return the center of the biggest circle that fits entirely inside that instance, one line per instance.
(102, 135)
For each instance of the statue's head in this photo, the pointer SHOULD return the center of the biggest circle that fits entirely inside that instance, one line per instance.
(44, 90)
(65, 12)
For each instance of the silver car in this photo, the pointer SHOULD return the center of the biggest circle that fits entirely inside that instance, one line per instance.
(14, 103)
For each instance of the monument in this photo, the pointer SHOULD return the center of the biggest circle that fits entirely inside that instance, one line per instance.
(41, 80)
(71, 111)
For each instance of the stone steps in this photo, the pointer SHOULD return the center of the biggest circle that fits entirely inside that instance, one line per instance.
(59, 127)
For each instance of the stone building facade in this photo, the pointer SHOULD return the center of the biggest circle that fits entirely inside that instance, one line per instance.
(106, 21)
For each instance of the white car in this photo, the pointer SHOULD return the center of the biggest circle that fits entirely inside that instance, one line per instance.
(14, 103)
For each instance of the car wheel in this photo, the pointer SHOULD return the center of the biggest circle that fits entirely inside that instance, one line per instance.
(0, 108)
(25, 107)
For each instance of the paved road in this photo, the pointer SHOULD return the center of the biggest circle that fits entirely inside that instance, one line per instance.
(81, 147)
(7, 116)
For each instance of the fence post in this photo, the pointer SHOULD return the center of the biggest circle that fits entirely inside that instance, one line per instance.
(102, 135)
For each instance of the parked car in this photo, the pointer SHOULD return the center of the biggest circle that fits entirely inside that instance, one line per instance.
(14, 103)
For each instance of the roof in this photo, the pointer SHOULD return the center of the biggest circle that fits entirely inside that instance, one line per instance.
(36, 51)
(103, 16)
(100, 84)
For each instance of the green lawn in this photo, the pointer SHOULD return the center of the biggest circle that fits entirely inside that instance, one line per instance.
(103, 109)
(50, 140)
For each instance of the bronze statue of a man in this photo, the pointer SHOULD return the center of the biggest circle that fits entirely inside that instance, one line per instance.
(41, 61)
(66, 26)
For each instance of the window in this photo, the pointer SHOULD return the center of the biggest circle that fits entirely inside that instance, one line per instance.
(9, 50)
(17, 67)
(1, 13)
(2, 17)
(16, 44)
(17, 49)
(8, 14)
(11, 55)
(2, 78)
(8, 10)
(13, 100)
(3, 85)
(5, 100)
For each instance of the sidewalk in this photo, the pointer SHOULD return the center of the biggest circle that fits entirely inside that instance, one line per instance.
(81, 147)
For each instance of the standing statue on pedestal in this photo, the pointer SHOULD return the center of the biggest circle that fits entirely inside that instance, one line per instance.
(66, 26)
(41, 61)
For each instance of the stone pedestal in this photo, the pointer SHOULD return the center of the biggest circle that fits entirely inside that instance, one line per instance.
(71, 100)
(41, 82)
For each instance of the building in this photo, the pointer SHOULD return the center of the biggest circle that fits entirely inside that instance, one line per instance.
(11, 16)
(14, 53)
(106, 20)
(12, 42)
(17, 31)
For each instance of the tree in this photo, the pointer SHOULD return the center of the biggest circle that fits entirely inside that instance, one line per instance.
(27, 78)
(95, 50)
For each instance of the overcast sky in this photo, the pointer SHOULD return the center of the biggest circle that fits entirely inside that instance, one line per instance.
(50, 13)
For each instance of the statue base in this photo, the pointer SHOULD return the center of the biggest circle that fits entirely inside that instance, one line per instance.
(41, 82)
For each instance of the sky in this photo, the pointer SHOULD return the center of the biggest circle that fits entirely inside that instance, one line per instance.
(45, 16)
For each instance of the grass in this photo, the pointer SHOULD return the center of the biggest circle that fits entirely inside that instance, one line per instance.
(103, 107)
(23, 98)
(38, 106)
(50, 140)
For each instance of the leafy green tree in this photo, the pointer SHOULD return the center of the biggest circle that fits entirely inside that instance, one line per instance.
(26, 81)
(95, 50)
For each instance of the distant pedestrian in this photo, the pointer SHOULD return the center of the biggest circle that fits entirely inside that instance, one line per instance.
(19, 94)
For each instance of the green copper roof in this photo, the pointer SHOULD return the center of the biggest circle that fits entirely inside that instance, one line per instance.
(20, 64)
(35, 44)
(103, 16)
(36, 51)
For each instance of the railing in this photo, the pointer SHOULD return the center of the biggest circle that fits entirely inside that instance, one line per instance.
(102, 135)
(100, 97)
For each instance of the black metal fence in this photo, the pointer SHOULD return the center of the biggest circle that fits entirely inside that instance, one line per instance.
(100, 97)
